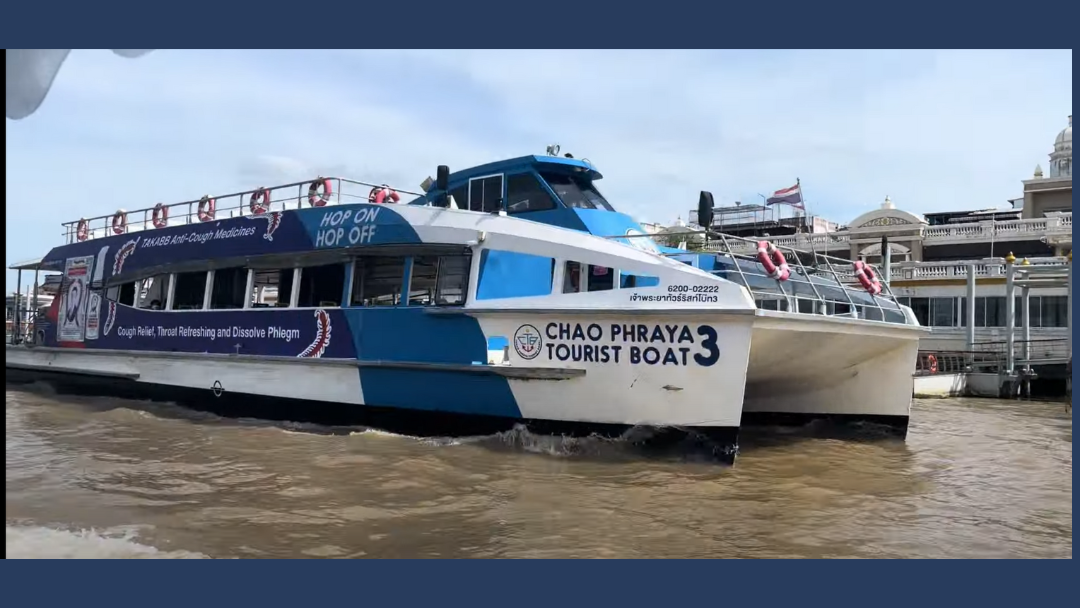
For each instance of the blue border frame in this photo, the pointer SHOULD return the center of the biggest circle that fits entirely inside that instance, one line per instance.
(612, 24)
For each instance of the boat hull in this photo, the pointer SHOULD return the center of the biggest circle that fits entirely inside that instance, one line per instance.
(804, 368)
(580, 394)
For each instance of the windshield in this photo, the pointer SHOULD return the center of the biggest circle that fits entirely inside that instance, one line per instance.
(575, 191)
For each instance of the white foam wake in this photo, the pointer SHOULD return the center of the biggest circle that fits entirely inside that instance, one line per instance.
(34, 542)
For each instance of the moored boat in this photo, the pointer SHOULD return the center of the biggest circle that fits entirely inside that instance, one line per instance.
(505, 294)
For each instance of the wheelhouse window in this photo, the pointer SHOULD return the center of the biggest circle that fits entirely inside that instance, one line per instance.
(377, 280)
(189, 291)
(576, 191)
(486, 193)
(321, 286)
(525, 193)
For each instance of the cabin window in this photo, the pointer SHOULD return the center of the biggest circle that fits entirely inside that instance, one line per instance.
(572, 278)
(576, 191)
(271, 288)
(486, 193)
(525, 193)
(321, 286)
(153, 291)
(601, 278)
(422, 279)
(439, 280)
(453, 281)
(228, 290)
(189, 291)
(377, 281)
(630, 281)
(123, 294)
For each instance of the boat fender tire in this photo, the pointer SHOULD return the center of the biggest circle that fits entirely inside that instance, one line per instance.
(206, 210)
(119, 222)
(773, 260)
(314, 198)
(160, 218)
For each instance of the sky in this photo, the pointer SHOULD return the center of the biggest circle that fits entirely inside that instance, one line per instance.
(933, 130)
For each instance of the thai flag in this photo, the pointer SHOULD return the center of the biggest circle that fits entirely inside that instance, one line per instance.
(788, 196)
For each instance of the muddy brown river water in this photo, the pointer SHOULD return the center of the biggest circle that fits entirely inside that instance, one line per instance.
(109, 478)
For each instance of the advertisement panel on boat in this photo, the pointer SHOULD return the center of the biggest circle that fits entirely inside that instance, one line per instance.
(313, 333)
(72, 307)
(93, 316)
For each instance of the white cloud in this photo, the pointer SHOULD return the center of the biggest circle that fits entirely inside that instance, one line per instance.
(933, 130)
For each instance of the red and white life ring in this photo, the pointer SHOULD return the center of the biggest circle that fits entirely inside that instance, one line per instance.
(259, 203)
(160, 217)
(207, 206)
(119, 222)
(314, 198)
(867, 278)
(931, 364)
(379, 194)
(82, 231)
(773, 260)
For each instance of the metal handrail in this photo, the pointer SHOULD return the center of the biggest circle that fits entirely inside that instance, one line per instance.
(343, 188)
(823, 265)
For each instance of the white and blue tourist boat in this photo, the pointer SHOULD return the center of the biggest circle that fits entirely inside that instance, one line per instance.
(506, 294)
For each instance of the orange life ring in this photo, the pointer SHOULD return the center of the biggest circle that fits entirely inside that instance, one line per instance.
(82, 231)
(931, 364)
(119, 222)
(314, 198)
(206, 209)
(379, 194)
(259, 203)
(773, 260)
(160, 217)
(867, 278)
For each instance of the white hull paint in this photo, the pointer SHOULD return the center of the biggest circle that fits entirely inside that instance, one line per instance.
(624, 392)
(314, 379)
(802, 364)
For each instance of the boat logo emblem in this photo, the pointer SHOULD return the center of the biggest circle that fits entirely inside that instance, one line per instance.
(217, 389)
(527, 342)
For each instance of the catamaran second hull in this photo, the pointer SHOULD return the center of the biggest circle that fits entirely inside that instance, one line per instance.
(804, 368)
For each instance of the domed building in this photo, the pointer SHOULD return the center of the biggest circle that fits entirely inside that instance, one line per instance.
(1048, 195)
(930, 253)
(1061, 157)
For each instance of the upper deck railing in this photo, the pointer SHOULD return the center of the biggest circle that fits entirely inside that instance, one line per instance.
(817, 284)
(319, 192)
(1002, 230)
